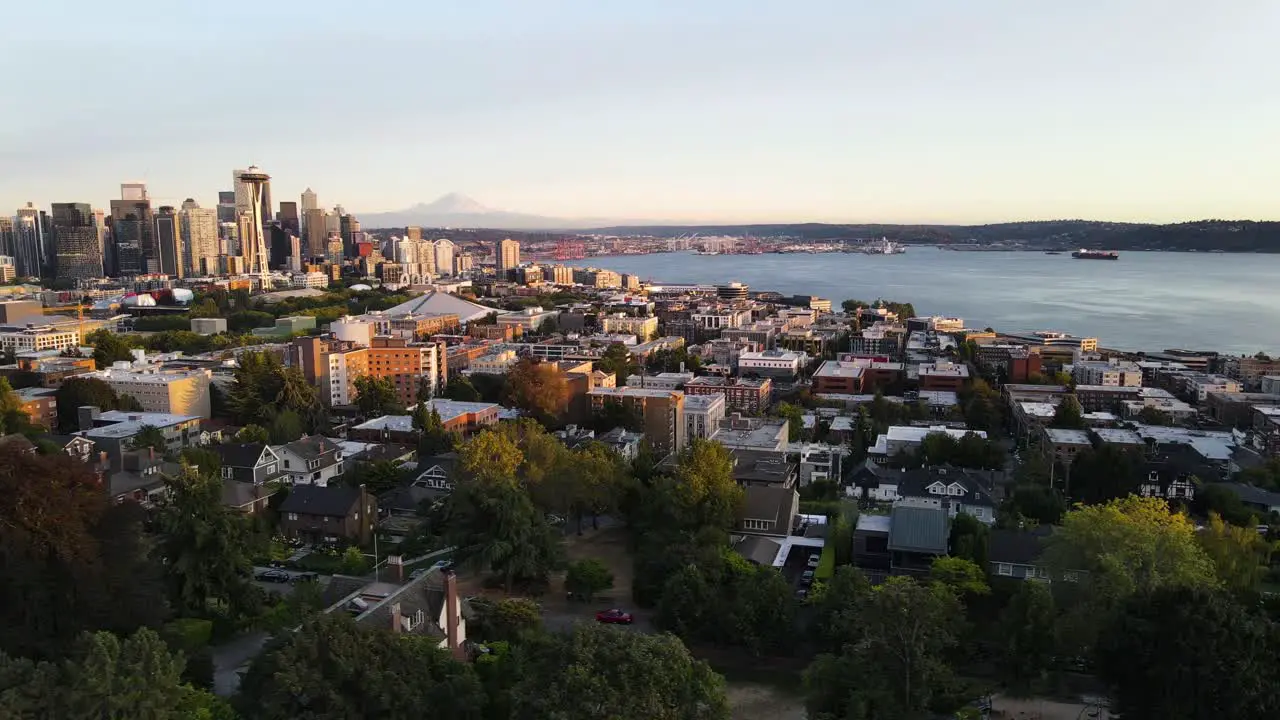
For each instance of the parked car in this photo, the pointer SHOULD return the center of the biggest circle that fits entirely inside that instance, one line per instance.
(814, 559)
(614, 617)
(276, 576)
(801, 594)
(806, 577)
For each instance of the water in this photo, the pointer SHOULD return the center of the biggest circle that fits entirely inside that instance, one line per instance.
(1143, 301)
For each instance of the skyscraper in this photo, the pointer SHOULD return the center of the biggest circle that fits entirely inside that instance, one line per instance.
(199, 230)
(309, 203)
(316, 232)
(413, 232)
(348, 225)
(229, 234)
(226, 206)
(288, 217)
(169, 242)
(8, 238)
(133, 225)
(32, 251)
(76, 243)
(507, 255)
(444, 250)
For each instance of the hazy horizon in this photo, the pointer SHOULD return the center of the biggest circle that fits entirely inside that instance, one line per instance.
(920, 112)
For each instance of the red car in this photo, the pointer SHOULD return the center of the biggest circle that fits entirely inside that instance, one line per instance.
(614, 617)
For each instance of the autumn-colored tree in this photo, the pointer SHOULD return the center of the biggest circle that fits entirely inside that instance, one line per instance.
(490, 457)
(538, 388)
(1240, 555)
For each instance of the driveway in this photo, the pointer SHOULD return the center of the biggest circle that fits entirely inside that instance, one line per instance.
(232, 658)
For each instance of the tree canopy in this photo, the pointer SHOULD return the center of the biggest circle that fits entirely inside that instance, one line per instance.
(538, 388)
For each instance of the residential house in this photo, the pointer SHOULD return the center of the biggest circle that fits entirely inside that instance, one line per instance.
(310, 461)
(245, 497)
(142, 478)
(438, 474)
(769, 510)
(427, 605)
(871, 546)
(329, 514)
(253, 463)
(1265, 502)
(764, 468)
(954, 490)
(820, 462)
(917, 536)
(75, 446)
(622, 441)
(1018, 553)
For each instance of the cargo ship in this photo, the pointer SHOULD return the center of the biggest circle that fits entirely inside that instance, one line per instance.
(1083, 254)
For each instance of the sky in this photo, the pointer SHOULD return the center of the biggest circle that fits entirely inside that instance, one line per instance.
(687, 110)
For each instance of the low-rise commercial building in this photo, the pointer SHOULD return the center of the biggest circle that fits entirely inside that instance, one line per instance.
(740, 394)
(943, 375)
(530, 319)
(772, 363)
(908, 438)
(660, 381)
(208, 326)
(494, 363)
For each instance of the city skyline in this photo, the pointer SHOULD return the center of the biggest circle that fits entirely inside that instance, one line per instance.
(920, 112)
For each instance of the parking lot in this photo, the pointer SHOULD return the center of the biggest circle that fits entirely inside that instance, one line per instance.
(797, 564)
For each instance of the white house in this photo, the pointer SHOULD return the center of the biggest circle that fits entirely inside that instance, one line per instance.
(310, 461)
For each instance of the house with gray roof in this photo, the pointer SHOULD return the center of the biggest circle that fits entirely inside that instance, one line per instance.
(769, 510)
(426, 605)
(917, 535)
(311, 460)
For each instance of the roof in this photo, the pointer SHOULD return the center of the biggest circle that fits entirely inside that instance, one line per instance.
(911, 433)
(1019, 547)
(1119, 436)
(758, 549)
(392, 423)
(762, 466)
(310, 448)
(918, 529)
(769, 503)
(441, 303)
(1038, 409)
(1063, 436)
(1253, 494)
(453, 409)
(424, 593)
(241, 455)
(333, 501)
(874, 524)
(238, 494)
(64, 440)
(916, 484)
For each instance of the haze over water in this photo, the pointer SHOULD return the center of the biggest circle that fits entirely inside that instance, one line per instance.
(1143, 301)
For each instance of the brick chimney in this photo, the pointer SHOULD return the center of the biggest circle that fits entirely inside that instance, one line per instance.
(395, 563)
(453, 616)
(396, 625)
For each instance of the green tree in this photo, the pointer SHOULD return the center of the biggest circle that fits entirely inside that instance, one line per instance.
(794, 415)
(897, 662)
(1240, 555)
(354, 562)
(490, 457)
(969, 539)
(1026, 635)
(617, 360)
(1218, 498)
(707, 494)
(205, 546)
(982, 406)
(1154, 416)
(13, 419)
(619, 675)
(613, 414)
(1104, 473)
(333, 668)
(285, 428)
(206, 308)
(461, 389)
(72, 561)
(134, 678)
(377, 396)
(259, 378)
(507, 620)
(150, 436)
(962, 576)
(538, 388)
(587, 577)
(1116, 550)
(1179, 653)
(495, 527)
(76, 392)
(253, 434)
(1069, 414)
(1031, 505)
(108, 348)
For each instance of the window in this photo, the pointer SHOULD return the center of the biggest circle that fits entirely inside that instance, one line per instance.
(1004, 569)
(293, 516)
(1071, 576)
(228, 472)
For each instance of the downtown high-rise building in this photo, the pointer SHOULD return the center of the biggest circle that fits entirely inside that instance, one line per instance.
(507, 255)
(33, 242)
(169, 242)
(77, 253)
(348, 226)
(317, 233)
(226, 206)
(133, 233)
(198, 228)
(288, 217)
(444, 250)
(8, 238)
(309, 202)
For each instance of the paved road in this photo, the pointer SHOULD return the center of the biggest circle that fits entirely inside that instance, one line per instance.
(232, 658)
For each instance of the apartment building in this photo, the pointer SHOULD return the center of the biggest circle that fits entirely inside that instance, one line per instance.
(173, 392)
(740, 394)
(773, 363)
(660, 381)
(855, 376)
(408, 365)
(661, 410)
(642, 327)
(39, 337)
(943, 375)
(1112, 373)
(494, 363)
(702, 415)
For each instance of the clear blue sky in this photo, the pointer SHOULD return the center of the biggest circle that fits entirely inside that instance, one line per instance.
(857, 110)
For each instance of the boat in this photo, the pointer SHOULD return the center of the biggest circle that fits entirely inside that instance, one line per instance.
(1083, 254)
(706, 252)
(1052, 252)
(884, 247)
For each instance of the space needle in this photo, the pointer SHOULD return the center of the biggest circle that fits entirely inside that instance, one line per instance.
(255, 249)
